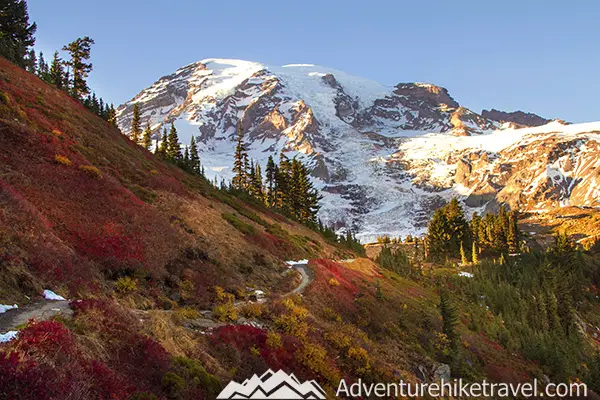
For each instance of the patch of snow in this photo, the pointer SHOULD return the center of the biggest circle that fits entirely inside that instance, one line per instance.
(465, 274)
(50, 295)
(8, 336)
(4, 308)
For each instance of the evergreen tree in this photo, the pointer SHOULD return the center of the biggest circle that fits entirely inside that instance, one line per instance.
(164, 144)
(239, 162)
(474, 255)
(57, 72)
(147, 138)
(450, 320)
(112, 115)
(31, 63)
(80, 50)
(271, 173)
(16, 34)
(463, 255)
(173, 146)
(438, 236)
(282, 179)
(136, 125)
(257, 183)
(185, 163)
(512, 237)
(457, 226)
(43, 68)
(195, 157)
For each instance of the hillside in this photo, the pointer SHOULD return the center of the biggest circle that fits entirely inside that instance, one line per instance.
(175, 288)
(384, 157)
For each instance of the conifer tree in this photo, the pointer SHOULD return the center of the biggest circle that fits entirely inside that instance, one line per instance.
(162, 149)
(239, 162)
(112, 115)
(16, 34)
(173, 146)
(463, 255)
(185, 162)
(80, 50)
(438, 236)
(136, 125)
(257, 183)
(450, 319)
(31, 63)
(282, 179)
(195, 157)
(474, 255)
(147, 138)
(57, 72)
(271, 174)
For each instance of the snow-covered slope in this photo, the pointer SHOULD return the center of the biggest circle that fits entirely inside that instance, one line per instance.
(384, 157)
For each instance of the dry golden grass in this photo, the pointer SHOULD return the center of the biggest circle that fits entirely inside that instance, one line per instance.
(175, 339)
(363, 265)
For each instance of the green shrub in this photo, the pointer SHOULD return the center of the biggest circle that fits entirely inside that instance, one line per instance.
(173, 383)
(238, 224)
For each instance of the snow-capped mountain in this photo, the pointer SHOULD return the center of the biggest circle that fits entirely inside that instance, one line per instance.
(383, 157)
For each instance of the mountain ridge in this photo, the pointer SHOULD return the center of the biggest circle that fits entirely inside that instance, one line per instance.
(352, 132)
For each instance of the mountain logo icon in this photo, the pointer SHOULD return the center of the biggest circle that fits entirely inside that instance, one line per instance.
(273, 386)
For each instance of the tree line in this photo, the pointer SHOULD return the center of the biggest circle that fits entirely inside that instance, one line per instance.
(168, 147)
(17, 38)
(286, 186)
(450, 235)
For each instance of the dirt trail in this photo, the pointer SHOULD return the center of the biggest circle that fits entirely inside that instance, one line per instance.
(307, 278)
(40, 311)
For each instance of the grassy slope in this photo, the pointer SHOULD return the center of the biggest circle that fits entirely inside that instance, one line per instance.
(178, 238)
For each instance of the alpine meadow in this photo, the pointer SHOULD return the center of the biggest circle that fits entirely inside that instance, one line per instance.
(243, 229)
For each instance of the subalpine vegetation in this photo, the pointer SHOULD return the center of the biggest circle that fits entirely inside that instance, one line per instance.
(533, 303)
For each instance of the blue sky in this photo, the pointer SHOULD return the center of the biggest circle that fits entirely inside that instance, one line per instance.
(538, 56)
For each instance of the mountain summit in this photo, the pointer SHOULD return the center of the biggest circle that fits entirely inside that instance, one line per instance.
(383, 157)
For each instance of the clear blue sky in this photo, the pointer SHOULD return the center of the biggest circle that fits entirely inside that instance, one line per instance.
(534, 55)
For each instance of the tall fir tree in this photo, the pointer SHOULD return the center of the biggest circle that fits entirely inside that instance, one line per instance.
(449, 319)
(463, 256)
(80, 52)
(31, 62)
(173, 145)
(257, 183)
(112, 115)
(161, 150)
(438, 236)
(136, 125)
(16, 34)
(57, 75)
(474, 254)
(147, 137)
(239, 161)
(195, 157)
(271, 173)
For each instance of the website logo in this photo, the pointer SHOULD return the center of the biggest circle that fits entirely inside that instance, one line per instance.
(273, 386)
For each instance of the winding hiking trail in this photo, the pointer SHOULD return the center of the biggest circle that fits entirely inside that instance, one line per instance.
(307, 278)
(40, 311)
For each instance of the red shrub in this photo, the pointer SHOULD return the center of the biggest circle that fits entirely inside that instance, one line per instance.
(243, 338)
(25, 379)
(46, 338)
(278, 247)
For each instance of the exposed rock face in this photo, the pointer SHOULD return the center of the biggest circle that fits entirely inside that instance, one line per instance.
(384, 158)
(421, 107)
(519, 118)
